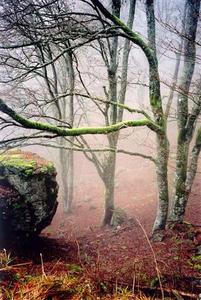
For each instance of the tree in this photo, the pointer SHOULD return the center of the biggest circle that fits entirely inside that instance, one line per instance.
(185, 133)
(186, 121)
(116, 114)
(155, 102)
(116, 93)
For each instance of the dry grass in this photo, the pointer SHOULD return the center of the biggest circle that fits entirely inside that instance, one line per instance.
(18, 284)
(5, 259)
(53, 287)
(58, 288)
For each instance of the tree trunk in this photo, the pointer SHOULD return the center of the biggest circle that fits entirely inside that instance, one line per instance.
(70, 179)
(162, 183)
(67, 156)
(109, 182)
(67, 176)
(178, 210)
(185, 132)
(161, 138)
(179, 202)
(193, 163)
(116, 115)
(63, 155)
(109, 189)
(110, 161)
(125, 59)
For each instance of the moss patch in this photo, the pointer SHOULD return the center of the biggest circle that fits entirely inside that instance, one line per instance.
(25, 162)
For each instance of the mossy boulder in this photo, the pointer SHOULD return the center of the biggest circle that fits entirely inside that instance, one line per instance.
(28, 194)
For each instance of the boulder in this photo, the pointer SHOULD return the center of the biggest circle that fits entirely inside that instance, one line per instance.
(28, 194)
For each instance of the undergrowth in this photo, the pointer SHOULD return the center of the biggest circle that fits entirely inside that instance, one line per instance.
(17, 284)
(87, 281)
(61, 287)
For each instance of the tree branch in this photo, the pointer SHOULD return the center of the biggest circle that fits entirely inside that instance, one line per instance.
(26, 123)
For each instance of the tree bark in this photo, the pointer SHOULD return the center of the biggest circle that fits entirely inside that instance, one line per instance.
(67, 157)
(109, 182)
(125, 59)
(70, 178)
(193, 164)
(185, 132)
(110, 160)
(64, 175)
(162, 183)
(116, 114)
(161, 139)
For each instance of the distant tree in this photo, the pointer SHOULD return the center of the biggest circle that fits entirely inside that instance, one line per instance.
(116, 94)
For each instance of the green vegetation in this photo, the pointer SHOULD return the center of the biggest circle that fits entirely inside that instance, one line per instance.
(74, 269)
(17, 161)
(73, 284)
(26, 123)
(26, 165)
(61, 287)
(48, 168)
(5, 259)
(196, 262)
(74, 281)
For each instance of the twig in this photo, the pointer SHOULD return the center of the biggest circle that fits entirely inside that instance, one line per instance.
(42, 265)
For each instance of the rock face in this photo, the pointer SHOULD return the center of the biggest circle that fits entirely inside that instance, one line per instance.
(28, 194)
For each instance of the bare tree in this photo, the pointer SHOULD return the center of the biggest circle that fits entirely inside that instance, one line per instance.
(115, 94)
(186, 120)
(156, 104)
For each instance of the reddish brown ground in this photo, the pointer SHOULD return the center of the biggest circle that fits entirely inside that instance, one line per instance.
(123, 256)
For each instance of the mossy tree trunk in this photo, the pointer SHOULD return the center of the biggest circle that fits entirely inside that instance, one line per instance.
(193, 164)
(161, 139)
(186, 121)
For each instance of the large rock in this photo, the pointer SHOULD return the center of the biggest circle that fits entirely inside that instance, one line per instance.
(28, 194)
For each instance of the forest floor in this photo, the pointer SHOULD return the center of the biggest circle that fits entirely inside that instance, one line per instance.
(122, 258)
